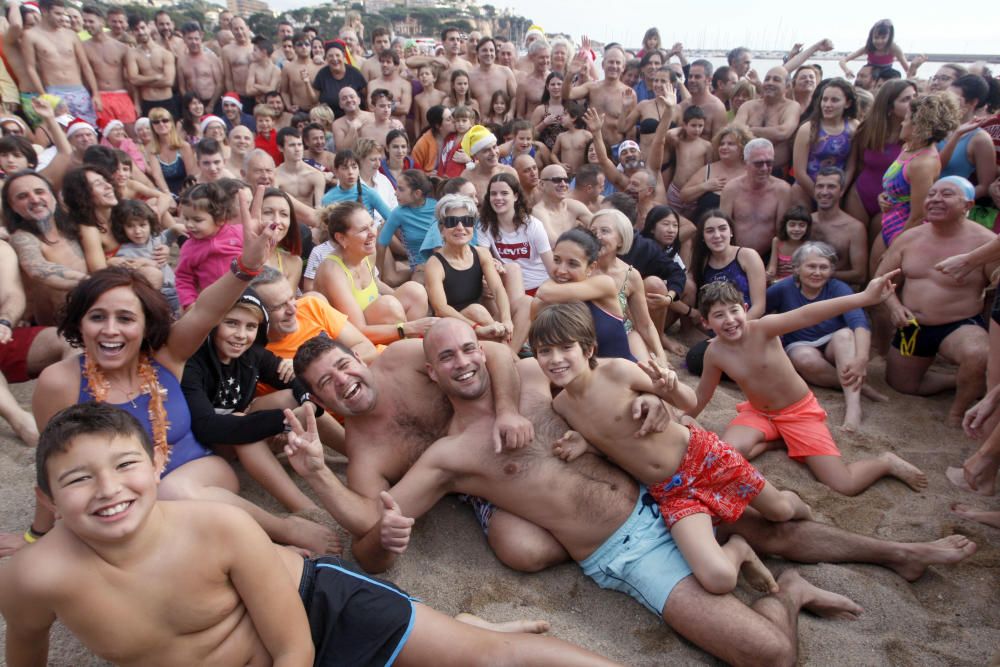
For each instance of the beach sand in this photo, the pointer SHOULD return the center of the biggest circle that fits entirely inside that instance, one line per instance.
(949, 617)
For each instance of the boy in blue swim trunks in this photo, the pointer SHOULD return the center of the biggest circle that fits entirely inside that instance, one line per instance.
(696, 479)
(144, 582)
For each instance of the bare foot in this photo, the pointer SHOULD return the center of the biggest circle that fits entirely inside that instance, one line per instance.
(908, 473)
(530, 627)
(852, 418)
(957, 477)
(954, 419)
(754, 571)
(24, 426)
(818, 601)
(10, 543)
(915, 557)
(870, 393)
(672, 346)
(971, 513)
(311, 536)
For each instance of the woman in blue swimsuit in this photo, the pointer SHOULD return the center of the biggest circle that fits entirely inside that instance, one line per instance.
(133, 356)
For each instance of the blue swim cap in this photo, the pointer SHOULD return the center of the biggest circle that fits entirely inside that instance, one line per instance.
(963, 184)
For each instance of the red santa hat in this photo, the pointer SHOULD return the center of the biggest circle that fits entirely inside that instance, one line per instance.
(233, 98)
(110, 125)
(78, 125)
(208, 120)
(31, 7)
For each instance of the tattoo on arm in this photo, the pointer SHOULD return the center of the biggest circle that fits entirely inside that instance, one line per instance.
(34, 264)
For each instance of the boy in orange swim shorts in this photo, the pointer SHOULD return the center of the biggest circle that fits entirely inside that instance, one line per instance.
(780, 404)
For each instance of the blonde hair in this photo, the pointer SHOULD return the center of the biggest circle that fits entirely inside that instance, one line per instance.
(620, 223)
(323, 115)
(739, 132)
(932, 117)
(172, 136)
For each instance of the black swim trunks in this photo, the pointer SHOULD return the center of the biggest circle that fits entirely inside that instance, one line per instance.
(995, 311)
(924, 340)
(355, 619)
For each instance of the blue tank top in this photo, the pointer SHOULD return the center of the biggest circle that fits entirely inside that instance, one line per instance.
(174, 173)
(959, 164)
(183, 446)
(732, 272)
(612, 341)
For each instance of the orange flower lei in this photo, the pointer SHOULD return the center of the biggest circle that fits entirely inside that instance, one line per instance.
(99, 387)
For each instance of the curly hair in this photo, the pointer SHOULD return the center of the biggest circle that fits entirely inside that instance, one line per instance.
(522, 210)
(79, 197)
(740, 133)
(932, 117)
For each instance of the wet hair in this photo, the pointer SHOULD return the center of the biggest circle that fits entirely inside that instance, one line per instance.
(545, 88)
(563, 323)
(824, 250)
(873, 133)
(337, 217)
(291, 242)
(701, 252)
(932, 117)
(313, 349)
(973, 87)
(881, 28)
(230, 188)
(89, 418)
(624, 203)
(416, 179)
(129, 209)
(208, 198)
(718, 291)
(585, 239)
(655, 215)
(522, 210)
(14, 222)
(78, 197)
(16, 145)
(155, 307)
(795, 213)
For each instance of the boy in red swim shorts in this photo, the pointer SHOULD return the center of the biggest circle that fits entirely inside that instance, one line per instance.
(696, 479)
(780, 405)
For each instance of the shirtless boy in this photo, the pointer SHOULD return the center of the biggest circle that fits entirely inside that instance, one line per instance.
(294, 176)
(188, 577)
(198, 69)
(55, 61)
(696, 479)
(571, 146)
(314, 140)
(686, 151)
(431, 96)
(297, 76)
(107, 57)
(389, 79)
(780, 405)
(263, 75)
(382, 121)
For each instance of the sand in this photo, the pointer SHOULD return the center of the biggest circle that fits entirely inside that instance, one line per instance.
(949, 617)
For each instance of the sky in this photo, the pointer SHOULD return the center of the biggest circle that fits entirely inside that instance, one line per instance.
(921, 26)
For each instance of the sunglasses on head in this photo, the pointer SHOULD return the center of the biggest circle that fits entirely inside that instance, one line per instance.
(453, 221)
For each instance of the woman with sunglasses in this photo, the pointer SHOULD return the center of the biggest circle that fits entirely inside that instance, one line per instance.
(175, 156)
(455, 273)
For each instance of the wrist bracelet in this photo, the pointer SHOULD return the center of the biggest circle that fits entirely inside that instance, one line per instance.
(400, 330)
(246, 269)
(241, 273)
(6, 323)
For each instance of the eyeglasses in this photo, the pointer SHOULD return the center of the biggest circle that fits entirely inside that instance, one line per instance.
(762, 163)
(452, 221)
(558, 180)
(301, 44)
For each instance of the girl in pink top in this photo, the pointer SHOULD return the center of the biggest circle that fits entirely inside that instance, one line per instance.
(212, 243)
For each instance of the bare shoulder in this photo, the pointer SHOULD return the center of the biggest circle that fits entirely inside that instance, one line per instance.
(60, 378)
(779, 185)
(977, 232)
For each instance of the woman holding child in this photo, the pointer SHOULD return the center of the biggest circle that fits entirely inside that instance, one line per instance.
(133, 357)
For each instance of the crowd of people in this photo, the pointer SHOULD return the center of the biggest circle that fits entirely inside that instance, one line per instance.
(467, 271)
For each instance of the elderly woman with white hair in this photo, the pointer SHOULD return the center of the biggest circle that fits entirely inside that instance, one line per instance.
(615, 234)
(833, 353)
(455, 273)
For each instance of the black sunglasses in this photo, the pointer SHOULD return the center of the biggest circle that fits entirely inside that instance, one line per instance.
(452, 221)
(556, 179)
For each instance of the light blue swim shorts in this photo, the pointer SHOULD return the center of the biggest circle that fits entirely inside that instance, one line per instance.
(640, 558)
